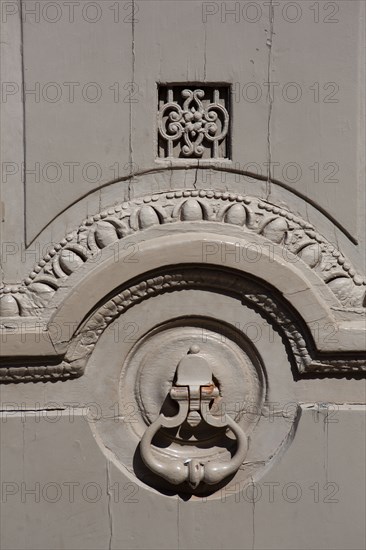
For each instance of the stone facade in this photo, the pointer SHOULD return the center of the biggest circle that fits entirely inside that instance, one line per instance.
(183, 305)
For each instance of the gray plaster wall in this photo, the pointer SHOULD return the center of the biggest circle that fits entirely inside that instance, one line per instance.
(79, 136)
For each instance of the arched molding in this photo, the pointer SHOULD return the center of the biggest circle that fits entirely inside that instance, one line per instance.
(254, 216)
(262, 242)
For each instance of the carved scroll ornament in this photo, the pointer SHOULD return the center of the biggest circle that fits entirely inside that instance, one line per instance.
(193, 124)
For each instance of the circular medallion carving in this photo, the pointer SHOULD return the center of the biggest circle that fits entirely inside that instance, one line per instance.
(151, 367)
(135, 375)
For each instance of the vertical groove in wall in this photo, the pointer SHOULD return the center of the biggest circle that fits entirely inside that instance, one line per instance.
(23, 172)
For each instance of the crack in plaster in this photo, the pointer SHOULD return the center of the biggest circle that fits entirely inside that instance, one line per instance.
(110, 515)
(269, 97)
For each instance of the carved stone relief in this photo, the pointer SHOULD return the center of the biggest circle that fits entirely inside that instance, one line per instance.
(195, 305)
(179, 313)
(274, 228)
(299, 240)
(198, 387)
(193, 123)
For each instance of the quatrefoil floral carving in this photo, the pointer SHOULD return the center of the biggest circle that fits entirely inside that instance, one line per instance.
(193, 123)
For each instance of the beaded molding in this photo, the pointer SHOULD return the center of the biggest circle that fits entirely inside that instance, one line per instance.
(253, 215)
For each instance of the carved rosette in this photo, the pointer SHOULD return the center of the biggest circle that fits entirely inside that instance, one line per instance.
(194, 125)
(298, 239)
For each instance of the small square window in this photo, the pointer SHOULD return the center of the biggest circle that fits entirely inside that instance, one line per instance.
(193, 122)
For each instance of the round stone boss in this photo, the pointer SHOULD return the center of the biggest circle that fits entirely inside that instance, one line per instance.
(133, 367)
